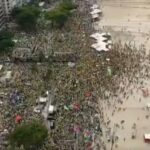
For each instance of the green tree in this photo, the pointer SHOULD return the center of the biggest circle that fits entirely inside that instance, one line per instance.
(30, 135)
(60, 15)
(57, 17)
(15, 11)
(67, 5)
(26, 17)
(6, 41)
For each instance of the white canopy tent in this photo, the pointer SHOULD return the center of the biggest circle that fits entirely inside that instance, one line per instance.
(97, 35)
(103, 41)
(109, 47)
(96, 11)
(51, 109)
(42, 99)
(100, 34)
(147, 136)
(109, 42)
(95, 16)
(106, 34)
(95, 6)
(100, 46)
(94, 45)
(99, 38)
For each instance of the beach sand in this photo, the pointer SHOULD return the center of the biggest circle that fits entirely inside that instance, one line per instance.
(133, 110)
(128, 21)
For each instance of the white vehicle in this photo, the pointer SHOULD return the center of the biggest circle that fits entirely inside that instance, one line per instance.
(38, 108)
(42, 99)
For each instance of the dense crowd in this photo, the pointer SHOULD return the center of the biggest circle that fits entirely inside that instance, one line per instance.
(78, 89)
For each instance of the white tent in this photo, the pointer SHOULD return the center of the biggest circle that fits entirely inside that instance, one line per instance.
(109, 47)
(109, 42)
(42, 99)
(100, 34)
(94, 45)
(98, 37)
(51, 109)
(147, 136)
(100, 46)
(99, 49)
(96, 11)
(105, 34)
(101, 39)
(103, 42)
(95, 16)
(94, 6)
(95, 34)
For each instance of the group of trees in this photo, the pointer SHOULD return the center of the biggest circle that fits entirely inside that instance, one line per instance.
(28, 135)
(6, 41)
(60, 14)
(26, 17)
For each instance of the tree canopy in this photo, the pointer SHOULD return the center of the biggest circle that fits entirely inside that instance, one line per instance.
(29, 135)
(26, 17)
(6, 41)
(59, 15)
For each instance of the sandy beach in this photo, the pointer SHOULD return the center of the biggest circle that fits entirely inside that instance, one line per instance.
(128, 21)
(131, 117)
